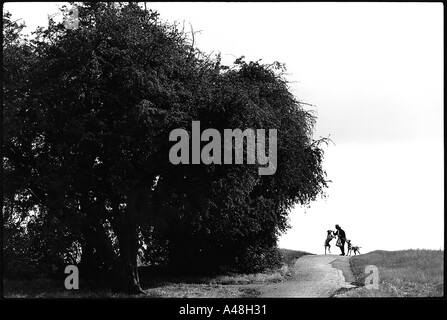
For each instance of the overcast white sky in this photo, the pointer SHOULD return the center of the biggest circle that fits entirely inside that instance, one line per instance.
(374, 71)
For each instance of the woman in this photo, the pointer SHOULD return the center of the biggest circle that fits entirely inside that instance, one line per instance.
(341, 239)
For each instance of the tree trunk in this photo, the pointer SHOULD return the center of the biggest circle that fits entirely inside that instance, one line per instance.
(97, 253)
(126, 227)
(89, 265)
(127, 279)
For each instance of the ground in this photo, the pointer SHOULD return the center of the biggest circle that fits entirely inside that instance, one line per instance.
(313, 276)
(406, 273)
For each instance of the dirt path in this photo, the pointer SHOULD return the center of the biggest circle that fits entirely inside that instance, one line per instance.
(314, 276)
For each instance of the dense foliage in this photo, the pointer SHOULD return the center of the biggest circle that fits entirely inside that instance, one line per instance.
(87, 178)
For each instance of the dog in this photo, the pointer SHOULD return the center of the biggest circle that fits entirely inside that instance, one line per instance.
(351, 248)
(356, 250)
(330, 236)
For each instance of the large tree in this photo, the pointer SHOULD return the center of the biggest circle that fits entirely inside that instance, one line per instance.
(87, 116)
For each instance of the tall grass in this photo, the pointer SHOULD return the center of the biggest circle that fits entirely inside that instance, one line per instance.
(405, 273)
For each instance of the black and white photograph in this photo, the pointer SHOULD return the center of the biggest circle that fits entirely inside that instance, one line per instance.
(205, 151)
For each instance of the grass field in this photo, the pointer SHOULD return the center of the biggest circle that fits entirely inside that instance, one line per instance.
(406, 273)
(290, 256)
(161, 286)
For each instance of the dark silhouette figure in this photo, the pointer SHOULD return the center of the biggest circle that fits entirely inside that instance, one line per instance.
(348, 242)
(341, 239)
(330, 236)
(356, 249)
(351, 248)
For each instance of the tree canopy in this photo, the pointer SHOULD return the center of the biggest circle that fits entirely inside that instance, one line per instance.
(86, 120)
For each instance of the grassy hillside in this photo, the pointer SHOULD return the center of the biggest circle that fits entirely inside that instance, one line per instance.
(290, 256)
(406, 273)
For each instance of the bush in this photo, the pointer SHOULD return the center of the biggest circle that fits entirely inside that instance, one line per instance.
(257, 259)
(36, 249)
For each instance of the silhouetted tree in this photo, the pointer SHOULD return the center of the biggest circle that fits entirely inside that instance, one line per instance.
(87, 116)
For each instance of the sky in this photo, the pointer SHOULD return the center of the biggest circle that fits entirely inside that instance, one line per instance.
(374, 75)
